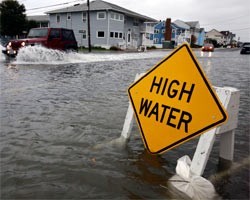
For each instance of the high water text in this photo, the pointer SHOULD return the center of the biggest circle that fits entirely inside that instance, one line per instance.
(162, 113)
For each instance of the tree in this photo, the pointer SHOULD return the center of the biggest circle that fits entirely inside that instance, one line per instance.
(13, 18)
(30, 24)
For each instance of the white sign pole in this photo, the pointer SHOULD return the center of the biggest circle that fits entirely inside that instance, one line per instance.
(230, 98)
(127, 126)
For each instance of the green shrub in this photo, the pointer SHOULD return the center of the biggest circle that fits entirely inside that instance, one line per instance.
(114, 48)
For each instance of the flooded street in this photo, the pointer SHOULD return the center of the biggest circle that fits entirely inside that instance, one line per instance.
(56, 107)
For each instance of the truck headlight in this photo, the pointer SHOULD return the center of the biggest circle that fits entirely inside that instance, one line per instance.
(23, 44)
(9, 44)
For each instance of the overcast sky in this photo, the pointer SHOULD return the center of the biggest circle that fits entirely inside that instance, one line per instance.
(232, 15)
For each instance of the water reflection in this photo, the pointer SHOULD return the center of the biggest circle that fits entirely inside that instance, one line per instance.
(208, 68)
(206, 54)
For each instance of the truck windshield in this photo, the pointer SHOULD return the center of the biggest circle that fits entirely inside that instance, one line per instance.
(37, 33)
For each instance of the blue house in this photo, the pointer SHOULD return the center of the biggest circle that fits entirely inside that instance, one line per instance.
(159, 31)
(181, 32)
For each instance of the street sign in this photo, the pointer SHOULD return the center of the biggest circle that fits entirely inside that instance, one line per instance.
(174, 102)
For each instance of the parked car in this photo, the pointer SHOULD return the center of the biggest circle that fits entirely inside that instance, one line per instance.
(54, 38)
(208, 47)
(245, 48)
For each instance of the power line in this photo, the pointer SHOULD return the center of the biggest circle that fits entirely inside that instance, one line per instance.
(240, 29)
(229, 19)
(60, 4)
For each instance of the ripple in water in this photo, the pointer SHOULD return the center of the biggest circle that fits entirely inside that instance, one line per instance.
(42, 55)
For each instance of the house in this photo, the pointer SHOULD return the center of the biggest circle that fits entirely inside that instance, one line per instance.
(201, 37)
(159, 31)
(194, 31)
(42, 20)
(110, 25)
(215, 35)
(180, 33)
(227, 37)
(147, 32)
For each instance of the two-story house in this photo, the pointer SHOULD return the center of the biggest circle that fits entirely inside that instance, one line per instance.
(227, 37)
(215, 35)
(159, 31)
(178, 35)
(110, 25)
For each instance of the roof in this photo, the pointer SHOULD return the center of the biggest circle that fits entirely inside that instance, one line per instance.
(39, 18)
(193, 24)
(101, 5)
(181, 24)
(215, 31)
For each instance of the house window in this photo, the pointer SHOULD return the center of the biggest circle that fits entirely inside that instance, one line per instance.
(116, 34)
(84, 34)
(156, 40)
(156, 31)
(68, 16)
(120, 35)
(58, 18)
(163, 30)
(116, 16)
(100, 34)
(136, 22)
(84, 16)
(101, 15)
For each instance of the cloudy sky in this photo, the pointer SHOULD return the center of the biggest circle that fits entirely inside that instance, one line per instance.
(232, 15)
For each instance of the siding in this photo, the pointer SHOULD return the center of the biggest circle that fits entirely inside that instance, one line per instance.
(106, 25)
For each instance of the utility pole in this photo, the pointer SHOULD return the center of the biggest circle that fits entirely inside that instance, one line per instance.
(89, 39)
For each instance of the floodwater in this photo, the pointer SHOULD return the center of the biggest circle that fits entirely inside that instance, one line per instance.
(56, 107)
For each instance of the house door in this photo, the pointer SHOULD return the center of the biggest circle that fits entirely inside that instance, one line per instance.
(129, 38)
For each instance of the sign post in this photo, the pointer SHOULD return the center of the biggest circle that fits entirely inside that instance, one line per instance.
(174, 102)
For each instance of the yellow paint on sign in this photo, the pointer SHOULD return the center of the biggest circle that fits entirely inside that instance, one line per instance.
(175, 102)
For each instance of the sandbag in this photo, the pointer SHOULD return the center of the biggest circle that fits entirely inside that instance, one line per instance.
(194, 186)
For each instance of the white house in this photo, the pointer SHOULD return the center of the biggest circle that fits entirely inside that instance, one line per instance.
(215, 35)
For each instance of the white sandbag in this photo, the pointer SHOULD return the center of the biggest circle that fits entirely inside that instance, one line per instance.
(194, 186)
(119, 143)
(183, 167)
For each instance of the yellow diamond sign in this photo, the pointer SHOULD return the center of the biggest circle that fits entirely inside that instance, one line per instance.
(175, 102)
